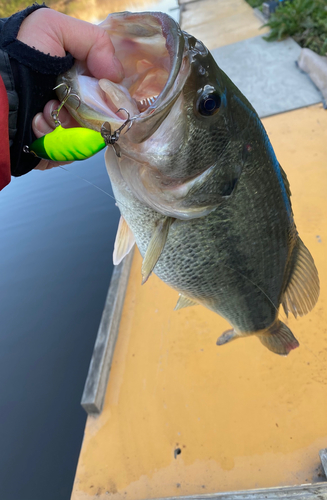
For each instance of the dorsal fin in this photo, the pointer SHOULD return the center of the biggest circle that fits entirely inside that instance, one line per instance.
(124, 241)
(184, 301)
(302, 291)
(286, 183)
(155, 247)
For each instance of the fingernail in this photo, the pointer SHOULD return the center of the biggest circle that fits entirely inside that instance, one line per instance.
(53, 106)
(40, 125)
(37, 122)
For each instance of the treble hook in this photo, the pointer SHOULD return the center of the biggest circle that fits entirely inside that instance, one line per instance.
(55, 112)
(112, 138)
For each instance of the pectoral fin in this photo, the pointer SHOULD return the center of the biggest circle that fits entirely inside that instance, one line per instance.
(302, 290)
(124, 241)
(184, 301)
(155, 247)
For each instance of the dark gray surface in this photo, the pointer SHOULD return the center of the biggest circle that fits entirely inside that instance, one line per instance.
(267, 75)
(56, 242)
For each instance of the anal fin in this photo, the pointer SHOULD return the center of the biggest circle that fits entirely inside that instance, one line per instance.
(155, 247)
(184, 301)
(124, 241)
(302, 291)
(227, 336)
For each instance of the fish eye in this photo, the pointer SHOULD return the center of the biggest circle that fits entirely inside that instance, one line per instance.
(209, 103)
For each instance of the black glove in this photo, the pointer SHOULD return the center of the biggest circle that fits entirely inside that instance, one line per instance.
(34, 75)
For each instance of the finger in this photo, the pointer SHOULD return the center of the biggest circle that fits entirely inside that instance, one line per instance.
(43, 165)
(101, 60)
(48, 110)
(65, 118)
(43, 123)
(55, 33)
(40, 126)
(90, 43)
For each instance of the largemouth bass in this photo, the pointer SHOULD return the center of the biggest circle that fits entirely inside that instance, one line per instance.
(197, 182)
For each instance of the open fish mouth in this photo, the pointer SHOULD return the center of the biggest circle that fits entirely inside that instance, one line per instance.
(157, 59)
(151, 49)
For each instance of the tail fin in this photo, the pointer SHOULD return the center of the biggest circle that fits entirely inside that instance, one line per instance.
(278, 338)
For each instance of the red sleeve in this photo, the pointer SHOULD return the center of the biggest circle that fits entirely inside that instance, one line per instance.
(4, 135)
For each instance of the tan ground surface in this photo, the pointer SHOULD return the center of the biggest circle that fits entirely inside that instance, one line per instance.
(220, 22)
(242, 416)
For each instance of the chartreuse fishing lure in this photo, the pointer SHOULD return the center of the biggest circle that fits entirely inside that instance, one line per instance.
(79, 143)
(68, 144)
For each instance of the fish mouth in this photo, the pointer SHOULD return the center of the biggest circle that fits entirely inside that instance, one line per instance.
(151, 49)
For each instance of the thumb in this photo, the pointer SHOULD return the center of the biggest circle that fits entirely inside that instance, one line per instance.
(90, 43)
(54, 33)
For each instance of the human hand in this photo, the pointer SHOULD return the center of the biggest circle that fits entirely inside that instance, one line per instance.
(54, 33)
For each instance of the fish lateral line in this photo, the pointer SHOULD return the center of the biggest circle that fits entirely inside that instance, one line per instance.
(255, 285)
